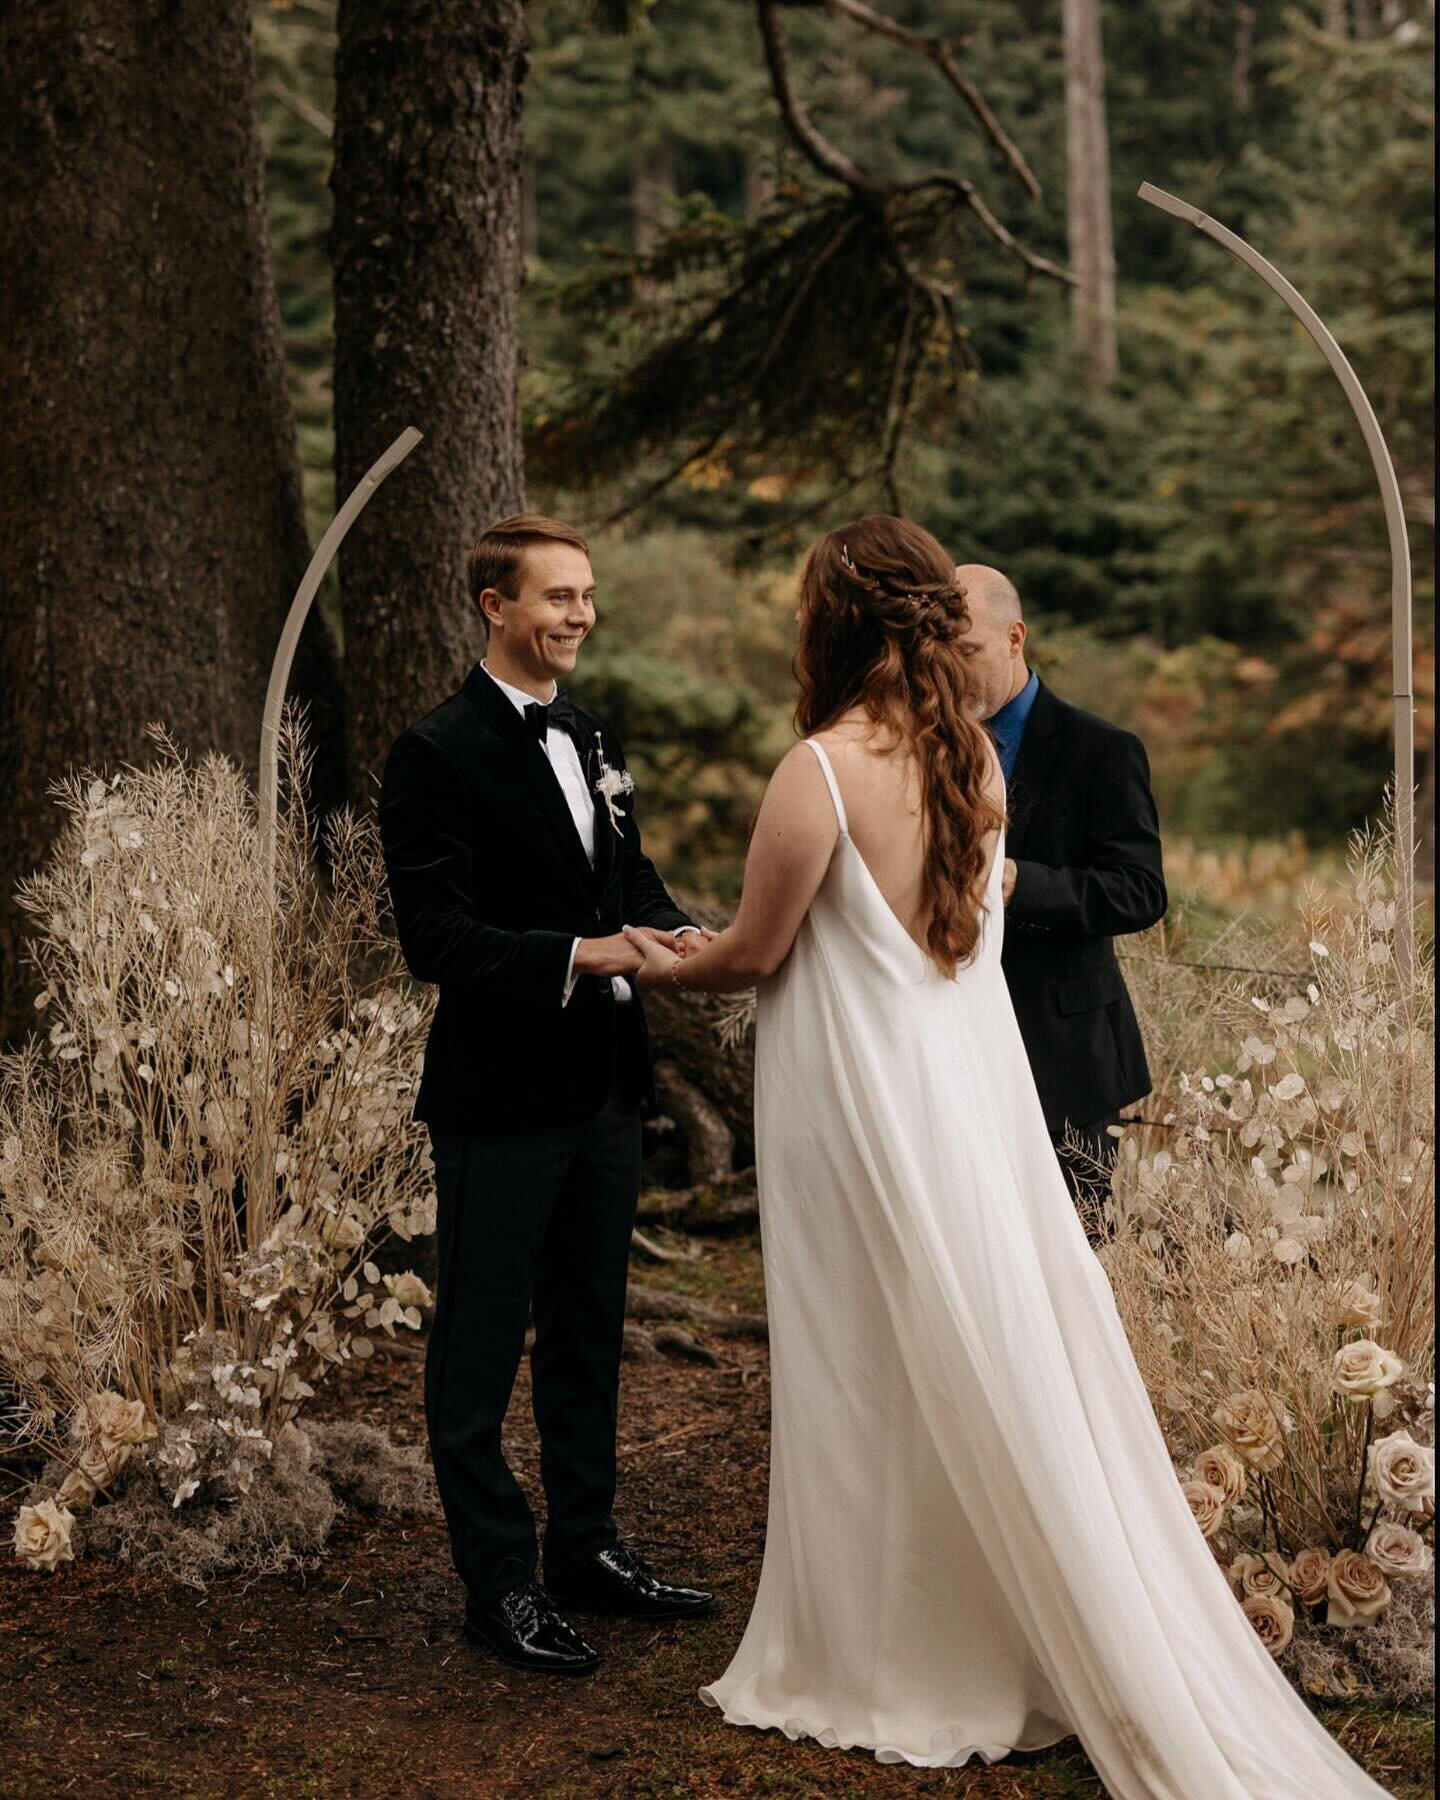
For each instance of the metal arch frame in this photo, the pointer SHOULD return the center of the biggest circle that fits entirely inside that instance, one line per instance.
(269, 796)
(1401, 630)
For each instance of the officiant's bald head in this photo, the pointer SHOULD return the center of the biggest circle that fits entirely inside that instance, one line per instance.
(997, 669)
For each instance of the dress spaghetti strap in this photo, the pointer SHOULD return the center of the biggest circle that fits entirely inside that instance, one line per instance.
(831, 783)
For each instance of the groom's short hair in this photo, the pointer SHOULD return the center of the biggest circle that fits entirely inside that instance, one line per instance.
(495, 560)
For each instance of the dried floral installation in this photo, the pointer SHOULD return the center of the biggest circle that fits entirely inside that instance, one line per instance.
(200, 1156)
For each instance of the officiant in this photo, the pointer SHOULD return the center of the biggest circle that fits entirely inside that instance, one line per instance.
(1082, 867)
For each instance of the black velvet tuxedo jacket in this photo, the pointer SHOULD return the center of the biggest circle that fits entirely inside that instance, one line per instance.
(491, 886)
(1085, 840)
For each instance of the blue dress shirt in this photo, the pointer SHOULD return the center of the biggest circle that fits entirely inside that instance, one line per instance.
(1007, 726)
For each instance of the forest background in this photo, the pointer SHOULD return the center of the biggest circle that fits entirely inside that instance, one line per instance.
(1198, 542)
(708, 277)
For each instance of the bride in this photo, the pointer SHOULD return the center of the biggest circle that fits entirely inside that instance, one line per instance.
(976, 1542)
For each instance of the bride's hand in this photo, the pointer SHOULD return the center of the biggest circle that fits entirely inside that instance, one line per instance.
(659, 959)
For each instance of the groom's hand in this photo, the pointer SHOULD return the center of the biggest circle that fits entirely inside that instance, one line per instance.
(666, 939)
(688, 942)
(607, 956)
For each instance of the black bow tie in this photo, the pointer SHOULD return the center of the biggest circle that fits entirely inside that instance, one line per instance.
(559, 713)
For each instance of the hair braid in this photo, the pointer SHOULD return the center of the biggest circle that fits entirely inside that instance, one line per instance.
(882, 626)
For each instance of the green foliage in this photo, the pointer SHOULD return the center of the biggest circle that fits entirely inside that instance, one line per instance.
(1201, 550)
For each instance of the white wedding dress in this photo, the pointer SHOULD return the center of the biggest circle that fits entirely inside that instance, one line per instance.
(976, 1539)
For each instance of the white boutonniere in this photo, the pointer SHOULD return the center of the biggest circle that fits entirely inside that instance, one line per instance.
(611, 784)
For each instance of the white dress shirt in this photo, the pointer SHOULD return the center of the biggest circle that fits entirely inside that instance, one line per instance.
(564, 759)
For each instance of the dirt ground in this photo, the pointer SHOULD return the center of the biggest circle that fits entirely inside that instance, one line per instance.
(353, 1680)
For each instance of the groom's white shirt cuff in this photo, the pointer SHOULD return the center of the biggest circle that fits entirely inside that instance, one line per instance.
(624, 993)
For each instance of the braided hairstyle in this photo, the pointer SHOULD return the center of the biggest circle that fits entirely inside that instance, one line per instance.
(883, 626)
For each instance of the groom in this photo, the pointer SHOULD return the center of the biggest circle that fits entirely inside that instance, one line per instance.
(514, 862)
(1082, 868)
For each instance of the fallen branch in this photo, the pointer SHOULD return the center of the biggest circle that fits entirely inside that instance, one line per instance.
(654, 1304)
(715, 1207)
(659, 1252)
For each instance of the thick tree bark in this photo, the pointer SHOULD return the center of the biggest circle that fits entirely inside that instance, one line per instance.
(152, 521)
(1087, 192)
(428, 263)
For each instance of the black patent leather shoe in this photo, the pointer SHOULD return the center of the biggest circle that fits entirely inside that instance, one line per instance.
(615, 1581)
(525, 1630)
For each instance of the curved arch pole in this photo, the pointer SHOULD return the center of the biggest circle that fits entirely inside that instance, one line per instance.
(1400, 603)
(260, 1183)
(269, 798)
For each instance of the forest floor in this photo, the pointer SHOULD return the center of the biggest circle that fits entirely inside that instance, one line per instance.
(353, 1679)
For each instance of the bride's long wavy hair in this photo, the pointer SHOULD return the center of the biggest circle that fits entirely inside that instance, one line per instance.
(883, 624)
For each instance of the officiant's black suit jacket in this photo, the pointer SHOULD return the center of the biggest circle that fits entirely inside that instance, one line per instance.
(491, 886)
(1085, 839)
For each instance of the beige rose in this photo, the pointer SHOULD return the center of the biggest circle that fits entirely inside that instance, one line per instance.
(1403, 1472)
(345, 1233)
(1257, 1576)
(1397, 1550)
(1356, 1590)
(100, 1462)
(1362, 1369)
(1359, 1306)
(1222, 1468)
(409, 1290)
(1207, 1505)
(1309, 1573)
(42, 1535)
(76, 1489)
(110, 1418)
(1255, 1423)
(1273, 1620)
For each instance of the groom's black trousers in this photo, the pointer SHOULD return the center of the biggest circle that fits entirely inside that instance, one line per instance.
(544, 1219)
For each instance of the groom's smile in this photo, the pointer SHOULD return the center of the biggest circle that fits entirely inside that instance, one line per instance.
(536, 633)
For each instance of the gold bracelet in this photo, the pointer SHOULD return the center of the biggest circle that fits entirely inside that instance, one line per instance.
(675, 971)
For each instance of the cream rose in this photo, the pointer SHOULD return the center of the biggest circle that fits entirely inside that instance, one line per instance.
(1309, 1573)
(42, 1535)
(345, 1233)
(1273, 1620)
(76, 1489)
(409, 1290)
(1356, 1590)
(99, 1462)
(1397, 1550)
(1360, 1370)
(1359, 1306)
(1207, 1505)
(1257, 1576)
(1222, 1468)
(1255, 1423)
(1403, 1472)
(110, 1418)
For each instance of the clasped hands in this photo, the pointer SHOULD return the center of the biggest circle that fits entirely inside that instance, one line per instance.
(638, 950)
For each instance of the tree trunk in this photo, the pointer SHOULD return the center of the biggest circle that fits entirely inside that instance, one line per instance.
(1087, 190)
(427, 254)
(153, 529)
(759, 183)
(1241, 59)
(652, 187)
